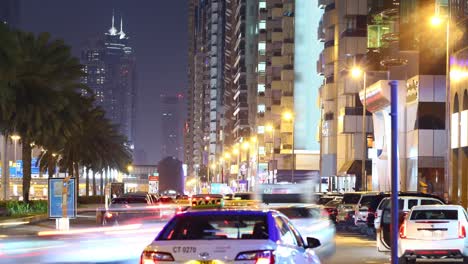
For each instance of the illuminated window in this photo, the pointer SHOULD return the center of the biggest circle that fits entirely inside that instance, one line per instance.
(261, 129)
(261, 88)
(262, 24)
(261, 48)
(261, 150)
(261, 67)
(262, 5)
(261, 108)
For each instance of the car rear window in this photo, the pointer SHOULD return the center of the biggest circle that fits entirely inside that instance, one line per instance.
(119, 201)
(351, 198)
(436, 214)
(301, 212)
(216, 227)
(137, 200)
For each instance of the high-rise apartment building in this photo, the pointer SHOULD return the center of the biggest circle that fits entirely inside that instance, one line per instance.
(171, 111)
(204, 133)
(287, 46)
(111, 72)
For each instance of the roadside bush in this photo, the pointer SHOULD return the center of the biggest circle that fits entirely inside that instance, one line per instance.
(19, 208)
(98, 199)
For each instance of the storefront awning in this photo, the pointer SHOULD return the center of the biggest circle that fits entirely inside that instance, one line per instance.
(354, 167)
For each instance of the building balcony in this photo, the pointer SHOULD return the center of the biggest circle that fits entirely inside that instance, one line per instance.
(329, 55)
(320, 32)
(276, 36)
(350, 121)
(277, 12)
(287, 48)
(330, 18)
(287, 75)
(282, 85)
(287, 102)
(352, 45)
(323, 3)
(348, 86)
(319, 67)
(281, 60)
(329, 92)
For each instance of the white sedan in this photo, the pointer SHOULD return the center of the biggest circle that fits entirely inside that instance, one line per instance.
(434, 232)
(230, 236)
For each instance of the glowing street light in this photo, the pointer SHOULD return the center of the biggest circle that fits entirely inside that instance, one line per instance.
(227, 155)
(436, 21)
(235, 151)
(245, 145)
(269, 128)
(288, 116)
(213, 166)
(356, 72)
(130, 168)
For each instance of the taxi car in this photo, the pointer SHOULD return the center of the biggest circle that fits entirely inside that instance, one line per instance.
(435, 232)
(218, 236)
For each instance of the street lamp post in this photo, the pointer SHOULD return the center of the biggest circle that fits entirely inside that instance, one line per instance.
(246, 147)
(357, 72)
(288, 116)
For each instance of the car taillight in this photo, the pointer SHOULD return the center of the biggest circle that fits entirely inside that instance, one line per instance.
(403, 230)
(260, 257)
(151, 257)
(108, 215)
(461, 230)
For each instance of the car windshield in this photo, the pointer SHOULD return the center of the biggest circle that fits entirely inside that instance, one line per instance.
(301, 212)
(351, 198)
(436, 214)
(119, 201)
(201, 227)
(333, 203)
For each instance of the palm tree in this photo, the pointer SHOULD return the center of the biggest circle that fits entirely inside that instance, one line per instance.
(44, 74)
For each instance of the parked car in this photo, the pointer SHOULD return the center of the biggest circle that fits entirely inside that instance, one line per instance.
(327, 197)
(347, 208)
(436, 232)
(365, 209)
(331, 208)
(405, 204)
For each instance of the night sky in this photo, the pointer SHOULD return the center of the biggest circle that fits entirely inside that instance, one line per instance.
(158, 34)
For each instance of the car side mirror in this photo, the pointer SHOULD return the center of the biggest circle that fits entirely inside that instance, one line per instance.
(313, 242)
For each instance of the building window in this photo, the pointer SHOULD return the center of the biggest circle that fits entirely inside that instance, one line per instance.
(261, 48)
(261, 108)
(261, 67)
(262, 4)
(262, 24)
(261, 88)
(261, 129)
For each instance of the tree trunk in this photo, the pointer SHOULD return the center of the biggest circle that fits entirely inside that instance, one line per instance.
(51, 166)
(107, 177)
(77, 179)
(26, 156)
(87, 181)
(94, 183)
(101, 192)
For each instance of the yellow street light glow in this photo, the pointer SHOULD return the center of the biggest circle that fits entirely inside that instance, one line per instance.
(15, 137)
(221, 160)
(457, 75)
(227, 155)
(235, 152)
(269, 128)
(288, 116)
(130, 168)
(213, 166)
(436, 21)
(245, 145)
(253, 139)
(356, 72)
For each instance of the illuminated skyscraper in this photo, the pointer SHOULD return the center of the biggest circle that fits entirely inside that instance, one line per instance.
(111, 72)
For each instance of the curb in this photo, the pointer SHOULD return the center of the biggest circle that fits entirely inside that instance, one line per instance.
(23, 220)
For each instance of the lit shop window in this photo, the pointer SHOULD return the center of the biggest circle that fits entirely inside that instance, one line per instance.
(262, 24)
(261, 67)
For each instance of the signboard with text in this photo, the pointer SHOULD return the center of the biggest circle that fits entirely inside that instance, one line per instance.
(57, 198)
(153, 184)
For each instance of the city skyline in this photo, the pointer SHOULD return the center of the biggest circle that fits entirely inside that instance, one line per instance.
(159, 41)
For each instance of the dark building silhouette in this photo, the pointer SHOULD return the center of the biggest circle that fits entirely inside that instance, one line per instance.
(111, 72)
(171, 175)
(172, 107)
(10, 12)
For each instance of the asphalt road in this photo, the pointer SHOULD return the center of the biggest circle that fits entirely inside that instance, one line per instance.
(356, 249)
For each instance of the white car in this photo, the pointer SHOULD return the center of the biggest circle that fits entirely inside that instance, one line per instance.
(230, 236)
(312, 221)
(434, 232)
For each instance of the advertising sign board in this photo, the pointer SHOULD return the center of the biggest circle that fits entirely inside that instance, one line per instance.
(57, 198)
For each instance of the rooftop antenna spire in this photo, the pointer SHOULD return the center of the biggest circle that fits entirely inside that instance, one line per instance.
(113, 30)
(121, 33)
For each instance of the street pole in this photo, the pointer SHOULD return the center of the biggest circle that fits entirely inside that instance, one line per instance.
(364, 136)
(448, 115)
(293, 156)
(5, 170)
(394, 171)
